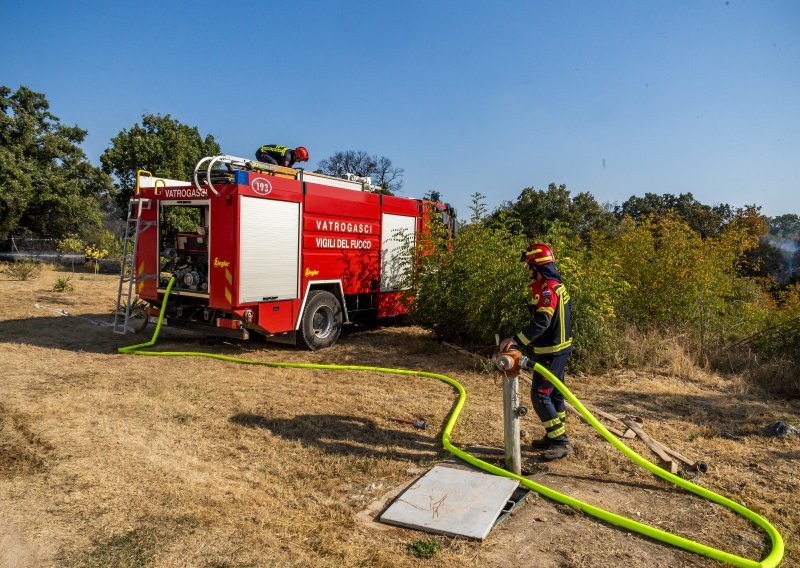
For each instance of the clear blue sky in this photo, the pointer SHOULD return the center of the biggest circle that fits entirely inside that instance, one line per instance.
(615, 98)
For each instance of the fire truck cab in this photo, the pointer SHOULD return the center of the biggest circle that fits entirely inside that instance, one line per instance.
(278, 251)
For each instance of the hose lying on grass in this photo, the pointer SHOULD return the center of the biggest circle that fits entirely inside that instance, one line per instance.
(772, 559)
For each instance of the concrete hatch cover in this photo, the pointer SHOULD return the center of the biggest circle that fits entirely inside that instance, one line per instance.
(454, 502)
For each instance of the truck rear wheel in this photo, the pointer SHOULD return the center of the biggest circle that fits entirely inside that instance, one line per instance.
(322, 320)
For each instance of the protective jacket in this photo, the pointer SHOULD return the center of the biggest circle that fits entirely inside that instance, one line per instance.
(549, 329)
(275, 154)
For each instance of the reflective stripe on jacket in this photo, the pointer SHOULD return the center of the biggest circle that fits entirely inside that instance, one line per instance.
(550, 328)
(274, 149)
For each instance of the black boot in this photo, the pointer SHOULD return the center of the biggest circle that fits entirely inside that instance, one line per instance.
(557, 451)
(541, 444)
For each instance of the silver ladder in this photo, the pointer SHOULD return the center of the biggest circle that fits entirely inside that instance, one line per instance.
(134, 226)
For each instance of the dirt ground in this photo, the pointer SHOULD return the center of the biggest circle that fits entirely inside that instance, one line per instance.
(122, 460)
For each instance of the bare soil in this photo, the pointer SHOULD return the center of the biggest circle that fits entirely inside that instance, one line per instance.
(122, 460)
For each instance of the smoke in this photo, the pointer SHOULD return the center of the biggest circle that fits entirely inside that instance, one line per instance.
(788, 248)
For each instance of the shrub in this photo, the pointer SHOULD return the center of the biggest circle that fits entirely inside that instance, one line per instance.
(656, 278)
(23, 270)
(94, 255)
(63, 284)
(592, 279)
(474, 286)
(71, 243)
(426, 548)
(138, 307)
(683, 283)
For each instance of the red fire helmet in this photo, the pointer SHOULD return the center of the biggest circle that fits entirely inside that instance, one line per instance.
(538, 253)
(301, 154)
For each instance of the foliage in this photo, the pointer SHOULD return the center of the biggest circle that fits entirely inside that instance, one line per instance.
(179, 218)
(682, 282)
(537, 211)
(47, 186)
(95, 255)
(657, 274)
(592, 279)
(138, 307)
(23, 270)
(107, 241)
(473, 286)
(447, 275)
(785, 226)
(161, 145)
(425, 548)
(71, 243)
(63, 284)
(779, 251)
(703, 219)
(779, 334)
(767, 259)
(379, 168)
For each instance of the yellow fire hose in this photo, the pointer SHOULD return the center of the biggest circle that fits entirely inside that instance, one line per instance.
(771, 560)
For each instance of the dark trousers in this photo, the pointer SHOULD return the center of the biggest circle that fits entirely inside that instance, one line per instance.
(266, 158)
(548, 402)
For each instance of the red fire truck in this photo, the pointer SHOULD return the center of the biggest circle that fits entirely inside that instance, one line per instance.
(259, 248)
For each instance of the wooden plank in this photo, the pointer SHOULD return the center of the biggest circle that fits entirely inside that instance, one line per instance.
(657, 449)
(698, 465)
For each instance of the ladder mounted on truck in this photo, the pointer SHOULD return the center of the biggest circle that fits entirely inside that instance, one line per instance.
(128, 276)
(205, 175)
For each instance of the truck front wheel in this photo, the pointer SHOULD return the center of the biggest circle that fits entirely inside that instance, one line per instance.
(322, 320)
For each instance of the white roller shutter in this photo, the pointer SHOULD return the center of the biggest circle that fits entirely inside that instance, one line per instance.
(269, 241)
(395, 229)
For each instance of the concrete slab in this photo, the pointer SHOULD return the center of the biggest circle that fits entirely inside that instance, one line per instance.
(452, 502)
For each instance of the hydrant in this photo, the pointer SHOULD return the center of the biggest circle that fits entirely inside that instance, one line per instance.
(510, 363)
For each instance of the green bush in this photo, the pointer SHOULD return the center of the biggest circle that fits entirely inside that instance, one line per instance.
(63, 284)
(474, 286)
(778, 336)
(657, 275)
(427, 548)
(71, 243)
(592, 279)
(471, 287)
(138, 307)
(684, 284)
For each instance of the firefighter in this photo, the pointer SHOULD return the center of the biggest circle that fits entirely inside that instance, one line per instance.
(550, 334)
(281, 155)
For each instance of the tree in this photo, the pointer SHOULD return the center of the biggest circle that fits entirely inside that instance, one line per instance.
(536, 211)
(704, 219)
(785, 226)
(47, 186)
(764, 260)
(161, 145)
(379, 168)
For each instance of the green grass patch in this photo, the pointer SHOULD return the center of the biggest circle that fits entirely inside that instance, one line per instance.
(426, 548)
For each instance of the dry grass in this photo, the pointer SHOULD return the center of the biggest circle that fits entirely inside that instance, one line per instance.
(21, 451)
(779, 376)
(144, 461)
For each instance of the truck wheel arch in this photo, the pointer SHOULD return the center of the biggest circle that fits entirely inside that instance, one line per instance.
(334, 287)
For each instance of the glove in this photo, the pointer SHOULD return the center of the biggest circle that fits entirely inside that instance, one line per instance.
(507, 344)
